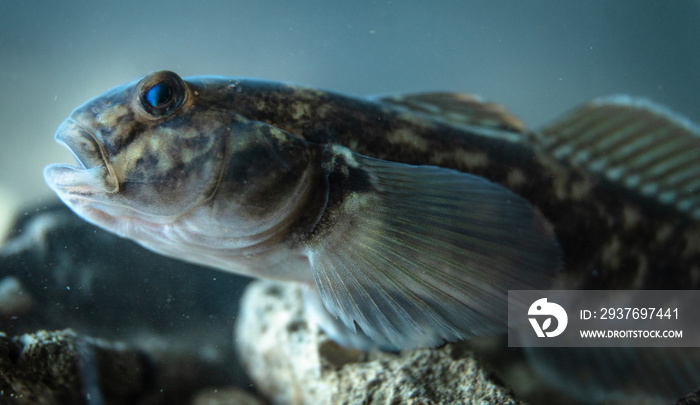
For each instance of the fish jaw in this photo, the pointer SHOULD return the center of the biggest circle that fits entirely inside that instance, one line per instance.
(94, 173)
(81, 186)
(91, 187)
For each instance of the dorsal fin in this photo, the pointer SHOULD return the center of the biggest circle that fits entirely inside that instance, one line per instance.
(635, 143)
(457, 109)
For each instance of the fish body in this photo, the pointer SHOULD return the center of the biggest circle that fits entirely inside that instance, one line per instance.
(408, 216)
(605, 229)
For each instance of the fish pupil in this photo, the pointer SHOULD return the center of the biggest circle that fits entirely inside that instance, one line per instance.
(158, 94)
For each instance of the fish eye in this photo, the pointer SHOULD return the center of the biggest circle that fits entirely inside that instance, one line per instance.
(161, 94)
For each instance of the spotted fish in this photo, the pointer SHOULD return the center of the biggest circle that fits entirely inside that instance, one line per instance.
(408, 217)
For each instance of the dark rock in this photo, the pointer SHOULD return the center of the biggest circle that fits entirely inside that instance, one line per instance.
(48, 368)
(691, 399)
(62, 367)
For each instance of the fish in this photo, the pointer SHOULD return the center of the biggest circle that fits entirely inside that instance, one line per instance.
(406, 217)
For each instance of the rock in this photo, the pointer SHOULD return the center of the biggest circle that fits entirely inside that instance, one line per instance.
(49, 368)
(691, 399)
(63, 367)
(292, 362)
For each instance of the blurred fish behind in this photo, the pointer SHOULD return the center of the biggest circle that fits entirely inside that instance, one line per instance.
(626, 374)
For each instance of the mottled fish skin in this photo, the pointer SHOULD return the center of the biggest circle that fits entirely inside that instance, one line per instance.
(611, 238)
(253, 176)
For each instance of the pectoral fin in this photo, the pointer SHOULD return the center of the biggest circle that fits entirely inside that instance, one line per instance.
(418, 255)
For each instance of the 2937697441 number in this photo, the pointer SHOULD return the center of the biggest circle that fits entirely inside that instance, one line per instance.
(638, 313)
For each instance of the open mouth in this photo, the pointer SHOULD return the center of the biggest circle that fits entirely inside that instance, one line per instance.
(93, 173)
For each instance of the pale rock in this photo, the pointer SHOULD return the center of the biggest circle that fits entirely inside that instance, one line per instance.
(292, 362)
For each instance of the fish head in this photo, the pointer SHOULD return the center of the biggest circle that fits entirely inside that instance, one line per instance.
(164, 157)
(142, 149)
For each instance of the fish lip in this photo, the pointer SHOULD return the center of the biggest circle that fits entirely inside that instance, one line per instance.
(90, 156)
(73, 135)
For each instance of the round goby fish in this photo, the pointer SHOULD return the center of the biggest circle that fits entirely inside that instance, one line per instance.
(408, 217)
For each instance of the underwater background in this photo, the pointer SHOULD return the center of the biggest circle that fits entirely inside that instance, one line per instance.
(538, 59)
